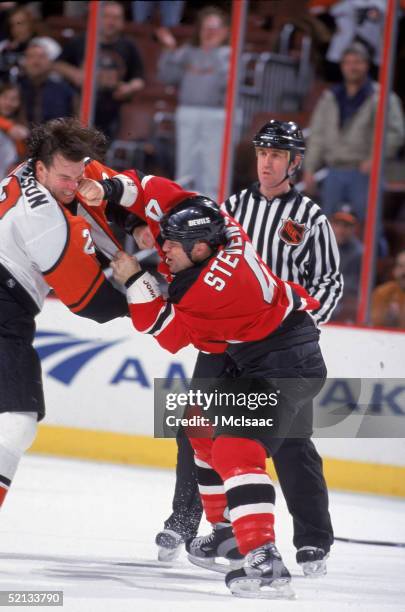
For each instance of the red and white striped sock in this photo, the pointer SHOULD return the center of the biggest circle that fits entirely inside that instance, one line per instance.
(249, 490)
(210, 483)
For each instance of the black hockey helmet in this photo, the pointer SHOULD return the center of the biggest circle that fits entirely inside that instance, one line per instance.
(281, 135)
(195, 219)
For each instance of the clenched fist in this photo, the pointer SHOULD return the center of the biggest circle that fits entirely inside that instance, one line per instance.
(124, 266)
(143, 237)
(91, 191)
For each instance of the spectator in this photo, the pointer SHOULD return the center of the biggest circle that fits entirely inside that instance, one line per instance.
(344, 223)
(21, 31)
(341, 135)
(75, 8)
(170, 11)
(323, 28)
(45, 95)
(357, 20)
(388, 300)
(12, 133)
(200, 70)
(120, 68)
(5, 8)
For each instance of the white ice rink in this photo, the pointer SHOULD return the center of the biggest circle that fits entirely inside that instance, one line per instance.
(88, 529)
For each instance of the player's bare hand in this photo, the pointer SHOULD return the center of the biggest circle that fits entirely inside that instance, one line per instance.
(143, 237)
(124, 266)
(91, 192)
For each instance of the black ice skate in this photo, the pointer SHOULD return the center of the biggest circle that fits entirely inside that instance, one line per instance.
(170, 544)
(263, 576)
(220, 543)
(312, 561)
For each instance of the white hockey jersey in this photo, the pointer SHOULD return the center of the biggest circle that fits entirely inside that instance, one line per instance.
(44, 246)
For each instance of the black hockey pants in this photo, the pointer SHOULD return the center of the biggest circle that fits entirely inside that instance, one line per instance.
(298, 467)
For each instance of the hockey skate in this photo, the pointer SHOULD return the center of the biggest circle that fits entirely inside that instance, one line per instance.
(220, 543)
(312, 561)
(170, 544)
(263, 576)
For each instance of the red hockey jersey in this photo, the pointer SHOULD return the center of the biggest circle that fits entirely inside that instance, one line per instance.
(235, 297)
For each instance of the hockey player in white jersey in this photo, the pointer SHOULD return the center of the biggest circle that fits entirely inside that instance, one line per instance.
(50, 239)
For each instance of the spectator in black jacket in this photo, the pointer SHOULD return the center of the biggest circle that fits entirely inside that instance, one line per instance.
(21, 29)
(120, 68)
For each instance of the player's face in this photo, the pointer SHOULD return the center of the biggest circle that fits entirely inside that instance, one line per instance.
(175, 256)
(272, 165)
(61, 177)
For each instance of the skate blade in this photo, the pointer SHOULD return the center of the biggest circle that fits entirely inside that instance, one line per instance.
(314, 569)
(167, 555)
(254, 588)
(214, 566)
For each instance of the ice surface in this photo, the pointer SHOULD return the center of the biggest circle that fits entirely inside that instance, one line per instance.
(88, 529)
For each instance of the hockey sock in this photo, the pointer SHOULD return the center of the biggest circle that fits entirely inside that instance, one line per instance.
(250, 493)
(8, 467)
(18, 431)
(212, 491)
(210, 484)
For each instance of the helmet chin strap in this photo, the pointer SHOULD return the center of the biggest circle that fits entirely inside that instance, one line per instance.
(188, 253)
(287, 174)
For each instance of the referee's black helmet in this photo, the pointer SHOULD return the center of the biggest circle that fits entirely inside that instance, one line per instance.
(195, 219)
(281, 135)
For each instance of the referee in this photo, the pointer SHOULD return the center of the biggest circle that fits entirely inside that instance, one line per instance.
(293, 236)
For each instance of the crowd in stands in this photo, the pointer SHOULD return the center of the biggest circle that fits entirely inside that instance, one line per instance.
(161, 86)
(120, 71)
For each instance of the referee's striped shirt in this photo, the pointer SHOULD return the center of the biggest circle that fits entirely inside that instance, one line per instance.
(295, 239)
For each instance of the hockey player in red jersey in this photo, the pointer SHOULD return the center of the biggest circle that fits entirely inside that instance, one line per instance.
(50, 239)
(235, 271)
(223, 298)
